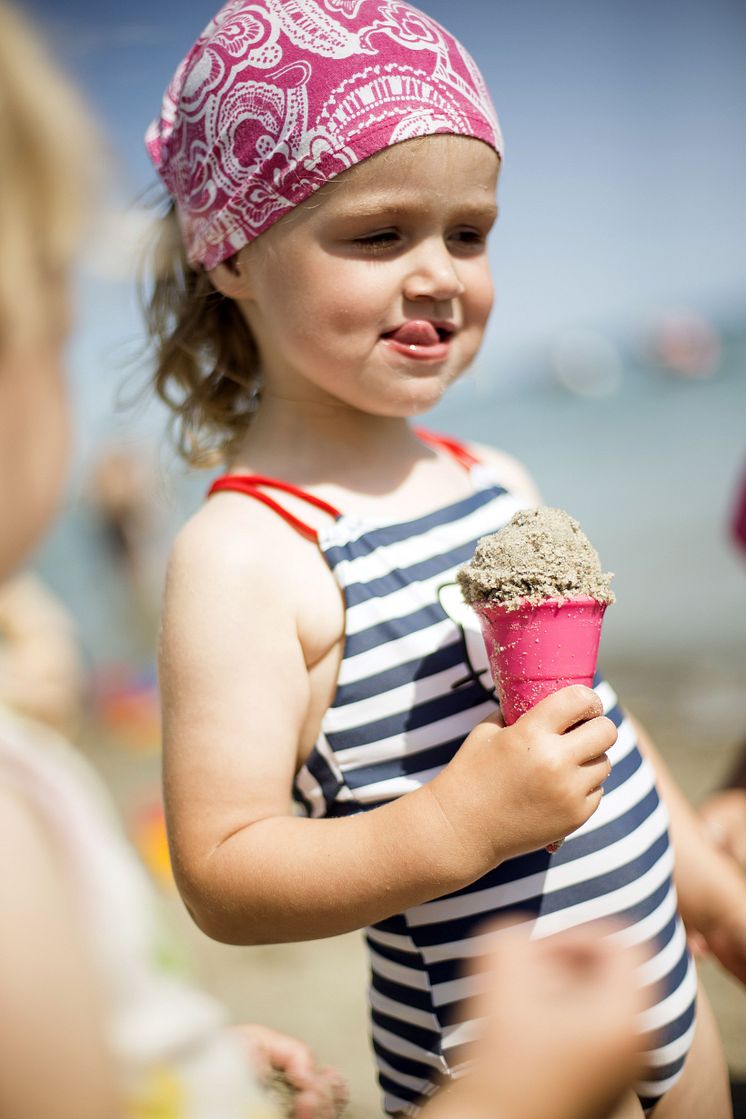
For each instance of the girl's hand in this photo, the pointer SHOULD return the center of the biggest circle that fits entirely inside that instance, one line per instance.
(319, 1093)
(510, 790)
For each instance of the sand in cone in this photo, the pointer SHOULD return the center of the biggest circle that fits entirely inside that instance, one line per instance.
(536, 649)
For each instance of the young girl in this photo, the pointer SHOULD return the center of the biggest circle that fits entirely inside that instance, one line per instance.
(333, 166)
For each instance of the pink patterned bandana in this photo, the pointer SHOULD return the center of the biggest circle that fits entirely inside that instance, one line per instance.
(276, 97)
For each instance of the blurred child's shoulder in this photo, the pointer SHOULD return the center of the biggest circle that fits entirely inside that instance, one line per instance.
(507, 471)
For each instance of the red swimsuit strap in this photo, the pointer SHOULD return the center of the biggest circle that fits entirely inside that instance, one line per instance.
(457, 450)
(249, 484)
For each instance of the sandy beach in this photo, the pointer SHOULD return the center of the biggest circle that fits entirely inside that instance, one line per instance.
(696, 712)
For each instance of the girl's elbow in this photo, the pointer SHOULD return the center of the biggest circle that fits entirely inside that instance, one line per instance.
(220, 921)
(222, 928)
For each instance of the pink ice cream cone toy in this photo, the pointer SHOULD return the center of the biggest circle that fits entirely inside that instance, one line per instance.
(540, 595)
(537, 648)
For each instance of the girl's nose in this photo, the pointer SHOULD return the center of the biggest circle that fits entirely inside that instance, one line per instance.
(433, 275)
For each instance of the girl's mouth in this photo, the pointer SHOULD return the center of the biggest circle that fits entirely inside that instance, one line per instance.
(421, 339)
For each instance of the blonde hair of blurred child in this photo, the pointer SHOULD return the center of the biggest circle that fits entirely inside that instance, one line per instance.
(48, 148)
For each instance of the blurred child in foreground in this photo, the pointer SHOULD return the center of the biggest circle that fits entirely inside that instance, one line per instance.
(92, 1025)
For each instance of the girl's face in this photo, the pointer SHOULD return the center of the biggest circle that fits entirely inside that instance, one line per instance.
(373, 295)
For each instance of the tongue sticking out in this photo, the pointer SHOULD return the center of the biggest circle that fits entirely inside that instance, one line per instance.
(416, 333)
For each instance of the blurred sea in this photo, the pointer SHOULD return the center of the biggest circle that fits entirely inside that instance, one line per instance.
(650, 470)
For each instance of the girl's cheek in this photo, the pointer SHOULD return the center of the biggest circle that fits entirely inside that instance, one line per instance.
(360, 297)
(483, 295)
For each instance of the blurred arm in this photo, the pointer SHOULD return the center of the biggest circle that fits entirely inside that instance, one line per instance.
(723, 812)
(711, 888)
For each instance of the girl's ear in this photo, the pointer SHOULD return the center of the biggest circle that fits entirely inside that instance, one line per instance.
(231, 277)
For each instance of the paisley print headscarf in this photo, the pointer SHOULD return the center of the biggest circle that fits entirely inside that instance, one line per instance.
(277, 97)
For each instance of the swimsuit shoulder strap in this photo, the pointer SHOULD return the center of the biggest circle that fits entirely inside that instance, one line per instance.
(254, 485)
(454, 447)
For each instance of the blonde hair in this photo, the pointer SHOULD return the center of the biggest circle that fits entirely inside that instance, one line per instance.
(46, 145)
(205, 357)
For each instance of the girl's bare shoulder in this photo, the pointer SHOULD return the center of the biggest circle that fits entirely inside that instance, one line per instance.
(237, 563)
(233, 537)
(508, 471)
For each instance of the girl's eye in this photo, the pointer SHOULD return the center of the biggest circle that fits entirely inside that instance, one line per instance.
(382, 239)
(469, 238)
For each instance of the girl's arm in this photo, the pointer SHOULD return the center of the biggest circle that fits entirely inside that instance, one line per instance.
(53, 1060)
(711, 888)
(237, 696)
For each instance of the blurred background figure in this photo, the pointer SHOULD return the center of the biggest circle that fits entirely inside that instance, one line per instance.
(122, 493)
(121, 497)
(685, 344)
(738, 518)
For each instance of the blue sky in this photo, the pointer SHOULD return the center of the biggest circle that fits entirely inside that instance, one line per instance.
(625, 173)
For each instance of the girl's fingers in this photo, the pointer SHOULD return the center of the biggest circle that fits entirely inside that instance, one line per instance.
(591, 740)
(596, 771)
(565, 709)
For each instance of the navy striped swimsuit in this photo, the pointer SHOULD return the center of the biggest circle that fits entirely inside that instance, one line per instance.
(412, 683)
